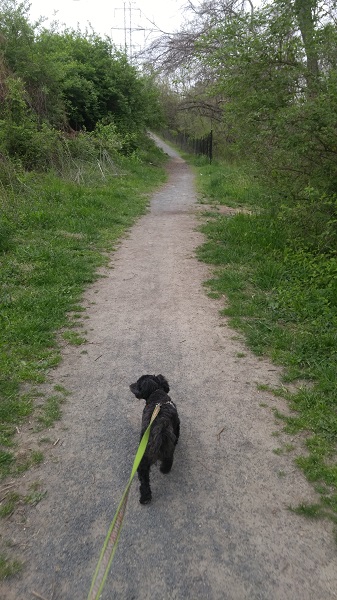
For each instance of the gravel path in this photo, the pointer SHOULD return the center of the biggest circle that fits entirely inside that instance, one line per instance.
(218, 527)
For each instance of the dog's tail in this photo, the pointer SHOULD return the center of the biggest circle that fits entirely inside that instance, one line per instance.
(162, 440)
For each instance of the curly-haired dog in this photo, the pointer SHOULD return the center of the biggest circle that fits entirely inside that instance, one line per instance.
(164, 431)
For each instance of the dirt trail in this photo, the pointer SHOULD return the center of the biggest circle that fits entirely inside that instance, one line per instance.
(218, 527)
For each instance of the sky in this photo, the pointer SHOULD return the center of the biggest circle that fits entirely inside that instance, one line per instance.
(114, 18)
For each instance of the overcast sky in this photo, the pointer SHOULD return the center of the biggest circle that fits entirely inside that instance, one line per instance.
(114, 17)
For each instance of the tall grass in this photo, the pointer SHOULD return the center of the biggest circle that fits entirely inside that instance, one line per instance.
(283, 297)
(231, 184)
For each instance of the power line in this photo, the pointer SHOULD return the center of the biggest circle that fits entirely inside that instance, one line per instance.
(128, 27)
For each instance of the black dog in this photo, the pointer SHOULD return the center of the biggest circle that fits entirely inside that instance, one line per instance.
(164, 431)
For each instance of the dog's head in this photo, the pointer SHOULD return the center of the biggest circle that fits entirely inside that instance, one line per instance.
(147, 384)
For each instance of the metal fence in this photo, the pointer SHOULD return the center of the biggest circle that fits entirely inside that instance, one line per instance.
(188, 143)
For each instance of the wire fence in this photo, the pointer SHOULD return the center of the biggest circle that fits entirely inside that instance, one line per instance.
(188, 143)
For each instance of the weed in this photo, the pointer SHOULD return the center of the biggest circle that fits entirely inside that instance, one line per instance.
(6, 461)
(12, 499)
(26, 460)
(50, 411)
(262, 387)
(8, 504)
(9, 567)
(61, 389)
(73, 338)
(34, 498)
(45, 440)
(278, 451)
(312, 511)
(35, 494)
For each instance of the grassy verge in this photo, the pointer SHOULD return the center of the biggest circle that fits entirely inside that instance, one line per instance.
(283, 298)
(54, 234)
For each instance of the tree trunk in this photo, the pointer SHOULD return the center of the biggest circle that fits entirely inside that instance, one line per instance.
(304, 13)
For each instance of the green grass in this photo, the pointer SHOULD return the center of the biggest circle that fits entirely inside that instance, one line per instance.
(231, 185)
(9, 503)
(54, 235)
(283, 297)
(10, 500)
(50, 411)
(8, 567)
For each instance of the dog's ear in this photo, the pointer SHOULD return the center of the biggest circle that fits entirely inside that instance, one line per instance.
(163, 383)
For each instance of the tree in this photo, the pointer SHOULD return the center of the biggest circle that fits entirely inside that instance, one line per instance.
(53, 82)
(306, 13)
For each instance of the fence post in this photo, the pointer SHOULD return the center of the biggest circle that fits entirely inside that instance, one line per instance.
(211, 146)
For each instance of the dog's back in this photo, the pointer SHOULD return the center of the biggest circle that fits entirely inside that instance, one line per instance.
(162, 440)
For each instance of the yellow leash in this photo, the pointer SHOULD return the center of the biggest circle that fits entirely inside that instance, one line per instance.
(111, 540)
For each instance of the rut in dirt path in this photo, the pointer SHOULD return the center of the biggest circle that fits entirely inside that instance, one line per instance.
(218, 526)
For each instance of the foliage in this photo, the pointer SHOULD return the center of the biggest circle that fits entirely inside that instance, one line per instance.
(283, 298)
(261, 69)
(53, 83)
(95, 81)
(265, 80)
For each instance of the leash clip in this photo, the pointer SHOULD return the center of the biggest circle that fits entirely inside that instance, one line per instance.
(155, 412)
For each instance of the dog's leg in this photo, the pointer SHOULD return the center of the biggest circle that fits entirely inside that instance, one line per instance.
(166, 464)
(177, 431)
(144, 478)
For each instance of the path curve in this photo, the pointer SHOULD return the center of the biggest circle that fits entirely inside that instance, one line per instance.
(218, 527)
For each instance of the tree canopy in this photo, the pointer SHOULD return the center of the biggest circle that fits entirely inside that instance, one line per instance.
(265, 78)
(63, 80)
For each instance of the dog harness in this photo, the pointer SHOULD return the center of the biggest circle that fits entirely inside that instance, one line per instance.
(169, 402)
(163, 404)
